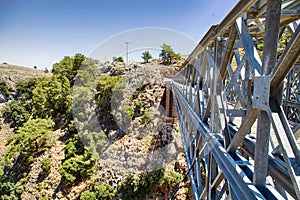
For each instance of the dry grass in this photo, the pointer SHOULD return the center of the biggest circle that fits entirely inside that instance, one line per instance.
(13, 74)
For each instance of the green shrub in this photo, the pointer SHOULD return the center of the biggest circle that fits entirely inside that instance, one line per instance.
(138, 186)
(88, 195)
(10, 190)
(128, 110)
(68, 66)
(30, 160)
(31, 139)
(78, 167)
(146, 117)
(70, 149)
(46, 165)
(44, 198)
(119, 70)
(4, 89)
(24, 89)
(16, 113)
(103, 191)
(105, 88)
(106, 85)
(51, 97)
(167, 54)
(146, 56)
(139, 104)
(170, 179)
(23, 147)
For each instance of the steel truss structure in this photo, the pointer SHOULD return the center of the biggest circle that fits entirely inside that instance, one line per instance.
(237, 103)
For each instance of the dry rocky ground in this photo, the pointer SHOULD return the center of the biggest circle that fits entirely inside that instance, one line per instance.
(145, 146)
(12, 74)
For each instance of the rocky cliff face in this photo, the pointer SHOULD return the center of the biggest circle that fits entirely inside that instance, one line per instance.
(143, 142)
(150, 142)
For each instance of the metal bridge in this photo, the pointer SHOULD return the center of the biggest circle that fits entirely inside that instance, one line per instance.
(237, 102)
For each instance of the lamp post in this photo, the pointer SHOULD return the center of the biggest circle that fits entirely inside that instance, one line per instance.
(127, 43)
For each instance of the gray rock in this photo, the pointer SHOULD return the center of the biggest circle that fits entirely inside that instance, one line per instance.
(3, 98)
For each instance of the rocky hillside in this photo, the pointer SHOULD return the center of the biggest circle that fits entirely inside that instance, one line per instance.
(10, 75)
(133, 152)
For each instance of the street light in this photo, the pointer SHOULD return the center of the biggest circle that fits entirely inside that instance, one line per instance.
(127, 43)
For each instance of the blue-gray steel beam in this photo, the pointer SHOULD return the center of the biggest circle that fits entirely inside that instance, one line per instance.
(272, 26)
(287, 60)
(242, 186)
(285, 64)
(215, 31)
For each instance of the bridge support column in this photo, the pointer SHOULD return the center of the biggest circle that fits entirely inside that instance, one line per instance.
(272, 26)
(169, 105)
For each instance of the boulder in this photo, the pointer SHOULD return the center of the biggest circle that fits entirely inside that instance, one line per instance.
(3, 98)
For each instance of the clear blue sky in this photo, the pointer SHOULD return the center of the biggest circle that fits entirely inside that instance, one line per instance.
(41, 32)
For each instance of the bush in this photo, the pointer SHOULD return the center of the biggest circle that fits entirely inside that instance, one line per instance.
(146, 56)
(103, 191)
(31, 139)
(24, 89)
(10, 189)
(23, 147)
(119, 71)
(138, 186)
(170, 179)
(70, 149)
(98, 191)
(78, 167)
(4, 89)
(127, 113)
(30, 160)
(16, 113)
(88, 195)
(44, 198)
(146, 117)
(46, 165)
(105, 88)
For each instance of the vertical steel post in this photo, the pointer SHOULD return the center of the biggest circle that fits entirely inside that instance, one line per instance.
(272, 26)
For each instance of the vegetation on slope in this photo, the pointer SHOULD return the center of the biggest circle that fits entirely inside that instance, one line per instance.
(40, 106)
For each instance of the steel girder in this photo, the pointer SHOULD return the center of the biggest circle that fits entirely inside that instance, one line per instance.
(237, 102)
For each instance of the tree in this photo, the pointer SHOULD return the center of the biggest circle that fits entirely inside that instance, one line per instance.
(106, 85)
(167, 54)
(78, 59)
(146, 56)
(118, 59)
(51, 97)
(24, 89)
(69, 66)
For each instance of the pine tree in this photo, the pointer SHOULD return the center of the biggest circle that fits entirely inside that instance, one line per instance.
(167, 54)
(146, 56)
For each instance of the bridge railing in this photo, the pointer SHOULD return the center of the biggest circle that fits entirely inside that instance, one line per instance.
(237, 102)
